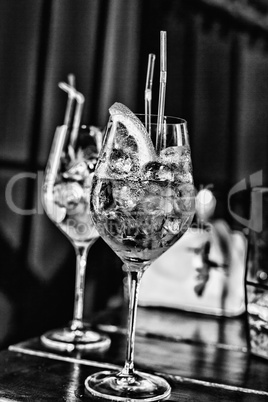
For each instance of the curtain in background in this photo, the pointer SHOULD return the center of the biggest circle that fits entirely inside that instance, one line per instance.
(41, 42)
(217, 80)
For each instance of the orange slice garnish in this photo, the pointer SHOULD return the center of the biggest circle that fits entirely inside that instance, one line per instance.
(135, 130)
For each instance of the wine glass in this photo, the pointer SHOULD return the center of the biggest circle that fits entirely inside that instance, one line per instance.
(66, 187)
(142, 201)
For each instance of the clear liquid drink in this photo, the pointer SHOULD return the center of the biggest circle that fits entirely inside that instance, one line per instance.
(141, 216)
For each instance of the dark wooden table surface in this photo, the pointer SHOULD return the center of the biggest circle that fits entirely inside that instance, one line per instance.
(204, 359)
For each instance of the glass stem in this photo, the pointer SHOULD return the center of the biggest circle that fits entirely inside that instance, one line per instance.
(81, 263)
(134, 283)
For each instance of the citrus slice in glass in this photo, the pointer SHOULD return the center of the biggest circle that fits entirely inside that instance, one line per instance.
(129, 141)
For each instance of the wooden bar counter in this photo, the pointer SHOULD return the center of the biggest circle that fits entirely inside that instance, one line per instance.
(203, 358)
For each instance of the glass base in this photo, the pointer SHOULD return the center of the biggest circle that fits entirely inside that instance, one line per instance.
(68, 340)
(115, 386)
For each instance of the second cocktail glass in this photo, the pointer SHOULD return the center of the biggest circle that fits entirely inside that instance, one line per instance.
(142, 202)
(66, 188)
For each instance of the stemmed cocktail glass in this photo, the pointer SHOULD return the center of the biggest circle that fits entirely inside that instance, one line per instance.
(142, 201)
(66, 188)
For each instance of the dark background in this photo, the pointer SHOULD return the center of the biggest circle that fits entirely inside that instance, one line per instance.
(217, 81)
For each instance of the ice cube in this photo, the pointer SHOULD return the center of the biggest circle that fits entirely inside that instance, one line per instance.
(185, 197)
(137, 190)
(131, 227)
(157, 171)
(152, 187)
(117, 187)
(179, 159)
(103, 196)
(166, 198)
(178, 154)
(171, 229)
(68, 194)
(187, 177)
(167, 205)
(121, 163)
(123, 195)
(172, 225)
(113, 222)
(168, 238)
(150, 204)
(157, 222)
(183, 173)
(143, 224)
(77, 172)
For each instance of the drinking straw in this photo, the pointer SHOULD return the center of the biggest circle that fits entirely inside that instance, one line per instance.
(162, 89)
(59, 139)
(77, 117)
(148, 91)
(70, 101)
(71, 80)
(74, 94)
